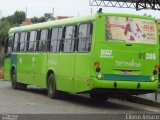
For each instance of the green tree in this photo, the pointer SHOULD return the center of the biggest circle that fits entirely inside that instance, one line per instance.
(8, 18)
(44, 18)
(41, 19)
(7, 22)
(18, 17)
(35, 20)
(5, 26)
(48, 16)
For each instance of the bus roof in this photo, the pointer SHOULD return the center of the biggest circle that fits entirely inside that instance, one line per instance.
(49, 24)
(70, 21)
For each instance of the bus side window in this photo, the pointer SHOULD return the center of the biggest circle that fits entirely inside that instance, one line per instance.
(36, 45)
(48, 41)
(43, 40)
(15, 43)
(9, 44)
(32, 39)
(22, 41)
(56, 38)
(27, 36)
(69, 39)
(60, 36)
(84, 37)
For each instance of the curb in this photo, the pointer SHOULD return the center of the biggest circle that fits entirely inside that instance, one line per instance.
(143, 101)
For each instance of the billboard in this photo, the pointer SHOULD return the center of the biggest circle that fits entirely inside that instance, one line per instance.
(134, 30)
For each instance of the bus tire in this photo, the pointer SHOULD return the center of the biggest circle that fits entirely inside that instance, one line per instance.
(14, 79)
(16, 85)
(21, 86)
(98, 97)
(51, 87)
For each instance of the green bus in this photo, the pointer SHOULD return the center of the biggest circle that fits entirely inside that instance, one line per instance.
(105, 54)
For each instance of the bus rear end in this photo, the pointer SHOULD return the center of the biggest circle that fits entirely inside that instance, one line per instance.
(125, 55)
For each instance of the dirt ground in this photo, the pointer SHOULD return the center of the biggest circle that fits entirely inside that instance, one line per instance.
(1, 66)
(1, 74)
(1, 71)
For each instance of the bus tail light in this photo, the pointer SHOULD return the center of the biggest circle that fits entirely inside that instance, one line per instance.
(155, 71)
(96, 64)
(98, 70)
(156, 67)
(100, 76)
(152, 78)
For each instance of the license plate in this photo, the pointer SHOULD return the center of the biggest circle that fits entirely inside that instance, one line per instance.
(126, 72)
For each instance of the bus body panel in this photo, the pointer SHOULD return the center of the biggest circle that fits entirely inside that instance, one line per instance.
(82, 72)
(123, 85)
(21, 68)
(31, 68)
(7, 67)
(63, 65)
(121, 62)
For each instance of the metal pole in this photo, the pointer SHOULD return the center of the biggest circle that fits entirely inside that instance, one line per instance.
(53, 13)
(91, 10)
(26, 14)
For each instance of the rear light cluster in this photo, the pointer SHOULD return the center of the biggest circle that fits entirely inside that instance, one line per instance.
(98, 70)
(155, 71)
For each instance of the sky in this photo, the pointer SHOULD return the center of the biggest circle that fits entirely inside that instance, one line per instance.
(62, 8)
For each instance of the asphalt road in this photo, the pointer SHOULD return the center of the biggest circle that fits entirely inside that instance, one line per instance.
(35, 101)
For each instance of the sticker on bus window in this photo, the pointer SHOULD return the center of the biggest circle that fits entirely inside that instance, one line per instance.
(134, 30)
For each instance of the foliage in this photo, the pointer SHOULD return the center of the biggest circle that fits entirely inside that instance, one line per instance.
(48, 16)
(44, 18)
(4, 28)
(34, 20)
(16, 18)
(41, 19)
(7, 22)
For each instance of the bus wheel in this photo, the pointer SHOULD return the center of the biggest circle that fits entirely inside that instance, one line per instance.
(16, 85)
(97, 97)
(51, 87)
(14, 79)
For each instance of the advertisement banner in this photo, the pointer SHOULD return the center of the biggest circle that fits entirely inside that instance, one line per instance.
(129, 29)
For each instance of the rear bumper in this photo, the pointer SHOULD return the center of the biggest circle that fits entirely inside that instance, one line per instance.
(124, 85)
